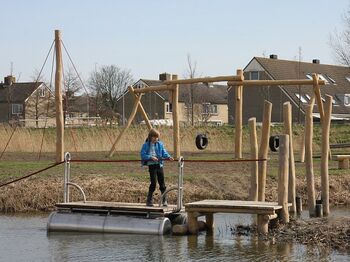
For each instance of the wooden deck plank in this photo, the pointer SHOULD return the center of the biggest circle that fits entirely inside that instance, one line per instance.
(115, 206)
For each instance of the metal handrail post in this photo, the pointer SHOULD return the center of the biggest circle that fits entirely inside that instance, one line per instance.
(180, 183)
(67, 158)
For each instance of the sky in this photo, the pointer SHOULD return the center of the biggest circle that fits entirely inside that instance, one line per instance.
(151, 37)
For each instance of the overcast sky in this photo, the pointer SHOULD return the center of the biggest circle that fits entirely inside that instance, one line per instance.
(150, 37)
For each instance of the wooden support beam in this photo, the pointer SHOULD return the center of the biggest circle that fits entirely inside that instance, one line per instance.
(302, 148)
(309, 168)
(263, 150)
(209, 220)
(192, 223)
(131, 118)
(58, 100)
(287, 120)
(238, 117)
(153, 88)
(253, 196)
(263, 224)
(176, 125)
(317, 91)
(283, 173)
(274, 82)
(141, 109)
(325, 153)
(203, 80)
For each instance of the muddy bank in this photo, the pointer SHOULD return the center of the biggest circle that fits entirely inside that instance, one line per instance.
(42, 193)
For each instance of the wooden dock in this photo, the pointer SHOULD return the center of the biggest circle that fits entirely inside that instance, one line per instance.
(116, 208)
(264, 210)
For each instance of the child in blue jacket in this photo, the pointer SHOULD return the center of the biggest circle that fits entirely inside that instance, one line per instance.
(152, 154)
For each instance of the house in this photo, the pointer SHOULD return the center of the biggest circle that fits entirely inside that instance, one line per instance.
(30, 103)
(337, 85)
(209, 103)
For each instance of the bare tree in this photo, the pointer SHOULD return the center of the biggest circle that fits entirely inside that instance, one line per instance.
(191, 72)
(340, 41)
(72, 85)
(108, 83)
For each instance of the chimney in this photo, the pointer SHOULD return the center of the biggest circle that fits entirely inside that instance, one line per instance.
(315, 61)
(273, 56)
(9, 80)
(164, 76)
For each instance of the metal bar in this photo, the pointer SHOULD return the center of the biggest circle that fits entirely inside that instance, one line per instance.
(80, 188)
(180, 183)
(67, 158)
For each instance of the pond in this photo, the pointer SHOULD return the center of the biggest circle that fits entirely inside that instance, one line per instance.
(24, 238)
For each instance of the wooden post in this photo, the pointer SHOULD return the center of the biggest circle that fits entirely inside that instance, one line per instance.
(263, 223)
(58, 100)
(309, 161)
(263, 150)
(324, 157)
(141, 109)
(176, 125)
(131, 118)
(318, 97)
(192, 223)
(253, 155)
(302, 149)
(238, 117)
(287, 119)
(283, 173)
(209, 220)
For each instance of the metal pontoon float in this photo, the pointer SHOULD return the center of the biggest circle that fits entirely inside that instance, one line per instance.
(115, 217)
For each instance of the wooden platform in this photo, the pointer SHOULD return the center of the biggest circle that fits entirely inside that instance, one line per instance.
(115, 207)
(265, 211)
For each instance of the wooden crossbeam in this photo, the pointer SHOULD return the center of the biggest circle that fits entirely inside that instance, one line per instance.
(204, 80)
(274, 82)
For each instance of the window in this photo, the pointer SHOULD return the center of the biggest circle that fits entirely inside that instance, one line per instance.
(346, 99)
(324, 79)
(42, 92)
(347, 78)
(210, 109)
(17, 109)
(309, 76)
(302, 99)
(331, 79)
(168, 107)
(308, 97)
(254, 75)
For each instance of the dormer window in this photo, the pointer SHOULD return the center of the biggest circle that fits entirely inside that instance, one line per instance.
(301, 98)
(254, 75)
(41, 92)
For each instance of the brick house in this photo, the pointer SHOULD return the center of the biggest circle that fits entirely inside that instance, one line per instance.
(337, 85)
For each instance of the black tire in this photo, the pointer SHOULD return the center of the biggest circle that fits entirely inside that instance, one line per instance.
(274, 143)
(201, 141)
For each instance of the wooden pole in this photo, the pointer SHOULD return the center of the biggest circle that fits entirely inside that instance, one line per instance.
(253, 155)
(238, 117)
(203, 80)
(131, 118)
(287, 119)
(263, 150)
(176, 125)
(58, 100)
(283, 170)
(318, 97)
(140, 108)
(274, 82)
(309, 161)
(153, 88)
(324, 157)
(302, 147)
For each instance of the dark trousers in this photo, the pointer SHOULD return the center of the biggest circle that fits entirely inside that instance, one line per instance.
(156, 173)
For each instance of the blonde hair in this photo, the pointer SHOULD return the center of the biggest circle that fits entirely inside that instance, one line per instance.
(153, 133)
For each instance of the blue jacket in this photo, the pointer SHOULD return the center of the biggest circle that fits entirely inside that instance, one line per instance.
(160, 152)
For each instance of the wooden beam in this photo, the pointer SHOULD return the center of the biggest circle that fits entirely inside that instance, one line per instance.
(238, 117)
(253, 196)
(131, 118)
(176, 125)
(309, 168)
(287, 120)
(153, 88)
(317, 91)
(263, 150)
(203, 80)
(274, 82)
(324, 157)
(283, 171)
(140, 108)
(58, 100)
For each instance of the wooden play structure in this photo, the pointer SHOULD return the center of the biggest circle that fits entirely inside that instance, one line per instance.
(286, 178)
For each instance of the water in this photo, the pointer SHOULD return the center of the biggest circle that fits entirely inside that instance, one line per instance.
(24, 238)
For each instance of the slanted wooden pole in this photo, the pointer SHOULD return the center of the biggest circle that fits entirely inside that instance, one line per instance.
(131, 118)
(58, 100)
(311, 201)
(263, 150)
(324, 157)
(283, 173)
(253, 196)
(140, 108)
(176, 125)
(318, 97)
(287, 120)
(238, 117)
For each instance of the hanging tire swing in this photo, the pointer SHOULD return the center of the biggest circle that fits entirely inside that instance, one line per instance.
(201, 141)
(274, 143)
